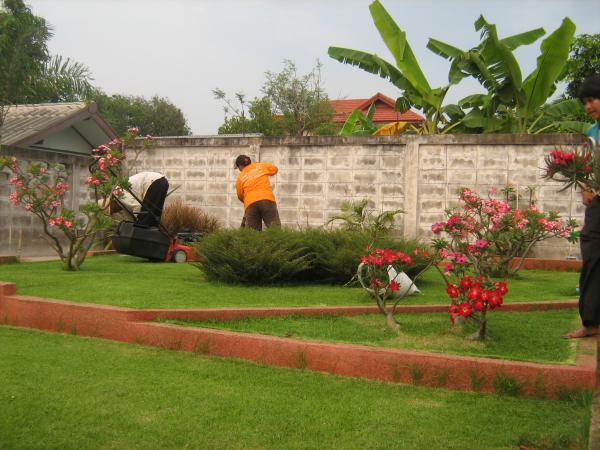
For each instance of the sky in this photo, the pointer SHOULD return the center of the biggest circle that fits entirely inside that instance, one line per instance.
(183, 49)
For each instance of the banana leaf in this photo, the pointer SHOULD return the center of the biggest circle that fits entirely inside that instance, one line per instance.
(395, 40)
(538, 86)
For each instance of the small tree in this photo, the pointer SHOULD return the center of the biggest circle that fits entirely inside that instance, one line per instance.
(376, 268)
(41, 190)
(292, 104)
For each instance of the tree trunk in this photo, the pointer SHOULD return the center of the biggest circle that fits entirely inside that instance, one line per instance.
(391, 322)
(480, 335)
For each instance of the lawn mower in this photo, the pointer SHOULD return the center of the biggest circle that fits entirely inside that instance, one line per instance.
(155, 243)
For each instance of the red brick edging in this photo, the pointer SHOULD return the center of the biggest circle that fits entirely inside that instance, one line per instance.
(429, 369)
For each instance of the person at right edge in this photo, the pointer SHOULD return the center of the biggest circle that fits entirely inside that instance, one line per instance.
(589, 279)
(254, 190)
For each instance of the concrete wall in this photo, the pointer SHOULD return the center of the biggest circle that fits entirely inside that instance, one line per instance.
(419, 174)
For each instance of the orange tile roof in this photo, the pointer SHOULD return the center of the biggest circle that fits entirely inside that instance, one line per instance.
(384, 109)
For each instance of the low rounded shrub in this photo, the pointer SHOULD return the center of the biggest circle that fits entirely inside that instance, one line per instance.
(279, 255)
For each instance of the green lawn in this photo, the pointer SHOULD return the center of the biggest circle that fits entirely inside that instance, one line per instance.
(132, 282)
(526, 336)
(67, 392)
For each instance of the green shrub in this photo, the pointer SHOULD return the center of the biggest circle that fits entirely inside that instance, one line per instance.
(248, 256)
(279, 255)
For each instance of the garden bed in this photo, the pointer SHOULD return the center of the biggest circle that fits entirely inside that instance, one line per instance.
(517, 336)
(135, 283)
(393, 365)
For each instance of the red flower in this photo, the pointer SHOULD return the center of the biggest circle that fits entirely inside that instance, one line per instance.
(464, 309)
(478, 306)
(465, 283)
(394, 286)
(474, 293)
(452, 290)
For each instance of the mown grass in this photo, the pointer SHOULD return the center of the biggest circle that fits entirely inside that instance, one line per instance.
(525, 336)
(67, 392)
(133, 282)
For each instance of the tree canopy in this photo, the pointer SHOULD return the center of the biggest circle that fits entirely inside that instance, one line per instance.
(156, 116)
(584, 60)
(291, 105)
(23, 52)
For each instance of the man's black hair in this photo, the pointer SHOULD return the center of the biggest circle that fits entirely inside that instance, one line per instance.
(242, 161)
(590, 87)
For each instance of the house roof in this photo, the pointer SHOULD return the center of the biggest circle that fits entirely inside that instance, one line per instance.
(26, 125)
(385, 111)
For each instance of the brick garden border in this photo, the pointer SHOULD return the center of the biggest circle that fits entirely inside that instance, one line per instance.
(391, 365)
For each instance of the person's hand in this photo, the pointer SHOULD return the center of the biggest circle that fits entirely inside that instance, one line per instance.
(587, 197)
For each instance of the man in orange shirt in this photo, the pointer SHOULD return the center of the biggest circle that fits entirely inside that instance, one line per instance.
(255, 191)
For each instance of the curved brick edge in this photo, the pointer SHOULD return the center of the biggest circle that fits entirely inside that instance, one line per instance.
(429, 369)
(8, 259)
(241, 313)
(559, 265)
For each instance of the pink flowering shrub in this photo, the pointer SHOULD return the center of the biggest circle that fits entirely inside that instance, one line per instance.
(490, 233)
(484, 236)
(41, 189)
(375, 267)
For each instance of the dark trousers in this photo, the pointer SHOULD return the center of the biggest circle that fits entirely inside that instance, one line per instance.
(589, 292)
(262, 210)
(153, 203)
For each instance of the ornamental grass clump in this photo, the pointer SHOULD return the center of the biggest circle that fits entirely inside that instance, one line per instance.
(177, 217)
(484, 237)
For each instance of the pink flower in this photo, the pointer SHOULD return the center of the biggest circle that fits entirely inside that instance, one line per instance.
(437, 228)
(481, 243)
(14, 198)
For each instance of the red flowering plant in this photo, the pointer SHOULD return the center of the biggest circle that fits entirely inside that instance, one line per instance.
(378, 272)
(485, 236)
(579, 167)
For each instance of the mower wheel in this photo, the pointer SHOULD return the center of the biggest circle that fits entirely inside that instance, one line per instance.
(179, 256)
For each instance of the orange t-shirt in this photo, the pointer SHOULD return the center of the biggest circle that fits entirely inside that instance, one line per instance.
(253, 184)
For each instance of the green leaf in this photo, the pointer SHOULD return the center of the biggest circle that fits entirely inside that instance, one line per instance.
(370, 63)
(475, 100)
(555, 52)
(526, 38)
(498, 57)
(350, 123)
(395, 40)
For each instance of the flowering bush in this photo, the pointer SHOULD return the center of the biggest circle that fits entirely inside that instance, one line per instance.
(485, 235)
(576, 167)
(41, 190)
(490, 233)
(375, 268)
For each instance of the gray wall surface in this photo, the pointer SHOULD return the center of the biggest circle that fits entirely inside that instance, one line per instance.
(419, 174)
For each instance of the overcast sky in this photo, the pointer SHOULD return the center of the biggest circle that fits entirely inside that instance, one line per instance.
(183, 49)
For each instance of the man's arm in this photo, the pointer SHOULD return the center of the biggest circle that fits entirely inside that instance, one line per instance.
(270, 169)
(240, 192)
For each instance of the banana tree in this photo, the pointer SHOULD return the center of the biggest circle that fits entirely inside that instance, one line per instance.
(406, 74)
(359, 124)
(511, 103)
